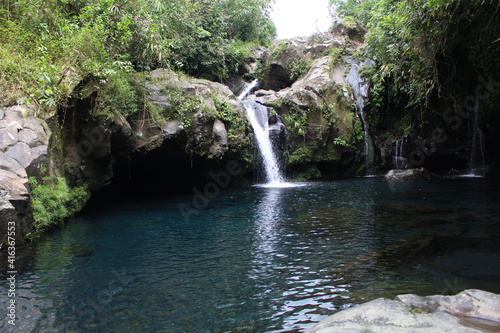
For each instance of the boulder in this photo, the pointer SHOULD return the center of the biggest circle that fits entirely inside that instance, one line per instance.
(280, 63)
(200, 101)
(172, 128)
(468, 312)
(408, 174)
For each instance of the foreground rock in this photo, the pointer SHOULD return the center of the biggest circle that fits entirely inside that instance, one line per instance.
(470, 311)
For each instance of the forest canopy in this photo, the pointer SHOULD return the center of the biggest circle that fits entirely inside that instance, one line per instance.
(103, 40)
(422, 45)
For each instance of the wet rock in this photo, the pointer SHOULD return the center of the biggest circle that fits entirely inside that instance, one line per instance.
(470, 311)
(24, 154)
(10, 164)
(13, 183)
(220, 143)
(172, 128)
(262, 92)
(206, 133)
(408, 174)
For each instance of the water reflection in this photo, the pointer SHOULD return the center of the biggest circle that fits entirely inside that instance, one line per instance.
(267, 215)
(304, 253)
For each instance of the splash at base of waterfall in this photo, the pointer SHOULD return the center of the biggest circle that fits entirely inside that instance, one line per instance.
(280, 185)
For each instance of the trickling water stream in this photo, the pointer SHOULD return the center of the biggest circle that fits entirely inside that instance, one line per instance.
(476, 142)
(360, 90)
(398, 159)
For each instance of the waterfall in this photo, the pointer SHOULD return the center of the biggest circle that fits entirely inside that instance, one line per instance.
(248, 89)
(360, 90)
(398, 161)
(259, 119)
(257, 115)
(476, 144)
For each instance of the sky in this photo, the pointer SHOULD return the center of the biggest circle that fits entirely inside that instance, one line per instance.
(300, 17)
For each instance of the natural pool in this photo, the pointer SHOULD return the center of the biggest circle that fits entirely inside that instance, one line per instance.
(260, 259)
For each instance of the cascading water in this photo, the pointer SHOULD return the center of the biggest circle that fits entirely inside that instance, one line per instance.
(360, 90)
(476, 142)
(248, 89)
(258, 117)
(398, 160)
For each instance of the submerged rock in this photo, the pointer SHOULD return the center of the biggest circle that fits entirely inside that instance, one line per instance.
(470, 311)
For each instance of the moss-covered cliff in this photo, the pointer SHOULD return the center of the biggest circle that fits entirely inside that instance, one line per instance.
(304, 81)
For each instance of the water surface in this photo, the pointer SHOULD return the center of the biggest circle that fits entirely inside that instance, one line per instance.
(259, 259)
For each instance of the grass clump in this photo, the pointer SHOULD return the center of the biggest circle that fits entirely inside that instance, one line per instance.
(53, 200)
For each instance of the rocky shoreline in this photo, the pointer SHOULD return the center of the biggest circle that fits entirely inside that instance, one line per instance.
(471, 311)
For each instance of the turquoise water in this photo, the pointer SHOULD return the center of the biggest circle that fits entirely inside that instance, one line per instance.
(259, 259)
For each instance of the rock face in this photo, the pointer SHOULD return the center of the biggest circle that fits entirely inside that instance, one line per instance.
(188, 127)
(304, 81)
(470, 311)
(24, 143)
(287, 60)
(185, 125)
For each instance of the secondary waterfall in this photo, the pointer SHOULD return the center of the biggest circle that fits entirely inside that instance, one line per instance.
(476, 144)
(259, 119)
(360, 90)
(398, 150)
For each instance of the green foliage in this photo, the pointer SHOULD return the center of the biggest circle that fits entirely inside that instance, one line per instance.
(295, 118)
(233, 120)
(340, 142)
(183, 107)
(101, 41)
(349, 22)
(118, 94)
(53, 201)
(358, 132)
(335, 54)
(417, 43)
(300, 67)
(279, 48)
